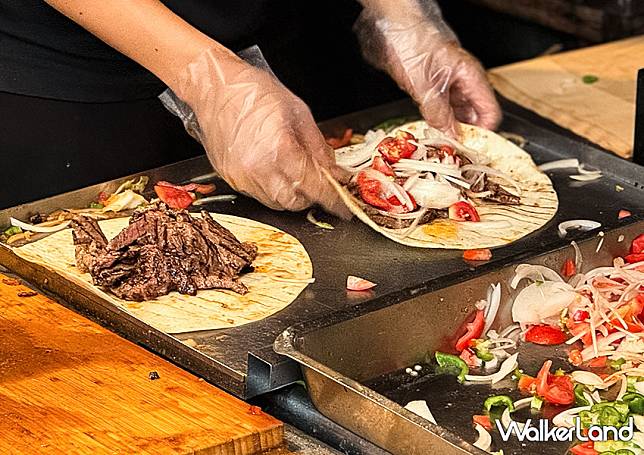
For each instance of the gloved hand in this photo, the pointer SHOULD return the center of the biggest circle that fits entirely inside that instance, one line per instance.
(259, 136)
(419, 51)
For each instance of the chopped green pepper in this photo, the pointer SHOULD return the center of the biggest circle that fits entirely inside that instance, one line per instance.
(587, 418)
(616, 364)
(451, 364)
(609, 416)
(635, 402)
(392, 123)
(499, 401)
(624, 452)
(96, 205)
(13, 230)
(589, 79)
(580, 399)
(482, 350)
(536, 402)
(560, 372)
(631, 381)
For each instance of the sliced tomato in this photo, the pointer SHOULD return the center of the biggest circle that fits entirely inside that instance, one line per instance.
(446, 150)
(633, 258)
(527, 384)
(381, 166)
(462, 211)
(569, 268)
(637, 246)
(574, 357)
(371, 192)
(473, 330)
(198, 187)
(103, 197)
(337, 142)
(587, 448)
(483, 254)
(176, 198)
(482, 420)
(542, 378)
(580, 315)
(355, 283)
(598, 362)
(623, 214)
(554, 389)
(545, 334)
(470, 358)
(393, 149)
(632, 309)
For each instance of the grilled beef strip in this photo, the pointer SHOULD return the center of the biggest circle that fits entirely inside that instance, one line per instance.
(163, 250)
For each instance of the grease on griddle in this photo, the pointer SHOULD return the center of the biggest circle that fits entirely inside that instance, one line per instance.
(27, 293)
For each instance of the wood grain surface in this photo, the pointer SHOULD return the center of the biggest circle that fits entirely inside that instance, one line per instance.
(69, 386)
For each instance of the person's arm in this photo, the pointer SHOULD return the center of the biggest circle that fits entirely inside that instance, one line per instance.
(144, 30)
(260, 137)
(410, 41)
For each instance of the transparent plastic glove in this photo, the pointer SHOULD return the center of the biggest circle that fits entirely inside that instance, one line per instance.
(419, 51)
(259, 137)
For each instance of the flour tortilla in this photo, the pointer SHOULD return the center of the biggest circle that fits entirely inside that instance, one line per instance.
(281, 271)
(538, 206)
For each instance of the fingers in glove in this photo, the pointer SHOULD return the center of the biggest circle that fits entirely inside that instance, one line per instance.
(473, 98)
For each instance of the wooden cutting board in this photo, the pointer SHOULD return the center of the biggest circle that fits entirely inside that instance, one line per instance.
(69, 386)
(554, 86)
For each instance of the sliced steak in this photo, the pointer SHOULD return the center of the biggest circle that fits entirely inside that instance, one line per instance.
(163, 250)
(500, 195)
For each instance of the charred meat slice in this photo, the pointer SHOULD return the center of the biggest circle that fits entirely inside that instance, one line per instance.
(500, 195)
(163, 250)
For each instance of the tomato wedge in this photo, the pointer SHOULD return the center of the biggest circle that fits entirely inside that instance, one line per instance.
(393, 149)
(637, 246)
(473, 330)
(199, 188)
(381, 166)
(587, 448)
(176, 198)
(470, 358)
(483, 254)
(633, 258)
(482, 420)
(355, 283)
(569, 268)
(545, 334)
(337, 142)
(371, 192)
(526, 384)
(623, 214)
(462, 211)
(554, 389)
(574, 357)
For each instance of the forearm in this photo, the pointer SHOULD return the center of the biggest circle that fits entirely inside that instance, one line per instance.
(144, 30)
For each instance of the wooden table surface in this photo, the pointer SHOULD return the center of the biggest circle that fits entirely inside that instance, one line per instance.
(69, 386)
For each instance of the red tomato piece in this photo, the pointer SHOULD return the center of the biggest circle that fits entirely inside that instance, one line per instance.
(175, 198)
(470, 358)
(198, 187)
(355, 283)
(371, 192)
(473, 330)
(587, 448)
(462, 211)
(526, 384)
(623, 214)
(637, 246)
(598, 362)
(483, 254)
(633, 258)
(337, 142)
(103, 197)
(482, 420)
(580, 315)
(381, 166)
(569, 268)
(545, 334)
(554, 389)
(446, 150)
(393, 149)
(575, 358)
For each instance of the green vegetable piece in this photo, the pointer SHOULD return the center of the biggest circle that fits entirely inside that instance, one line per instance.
(451, 364)
(580, 399)
(516, 375)
(616, 364)
(13, 230)
(498, 401)
(635, 402)
(392, 123)
(589, 79)
(623, 452)
(609, 416)
(559, 372)
(536, 403)
(587, 418)
(96, 205)
(482, 350)
(615, 447)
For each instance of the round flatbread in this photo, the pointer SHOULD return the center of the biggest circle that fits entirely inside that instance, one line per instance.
(538, 205)
(281, 271)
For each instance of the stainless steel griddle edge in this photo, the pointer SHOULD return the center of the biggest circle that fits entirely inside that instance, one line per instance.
(241, 359)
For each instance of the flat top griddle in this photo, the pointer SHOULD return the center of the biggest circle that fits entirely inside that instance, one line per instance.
(241, 359)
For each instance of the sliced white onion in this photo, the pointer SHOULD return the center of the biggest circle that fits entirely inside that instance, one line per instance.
(579, 260)
(519, 404)
(458, 182)
(559, 164)
(589, 398)
(542, 303)
(410, 181)
(508, 330)
(583, 225)
(310, 217)
(622, 389)
(565, 418)
(587, 378)
(479, 195)
(355, 155)
(414, 165)
(400, 216)
(585, 177)
(583, 169)
(484, 441)
(494, 301)
(420, 408)
(638, 420)
(41, 229)
(639, 386)
(535, 273)
(434, 195)
(507, 367)
(436, 137)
